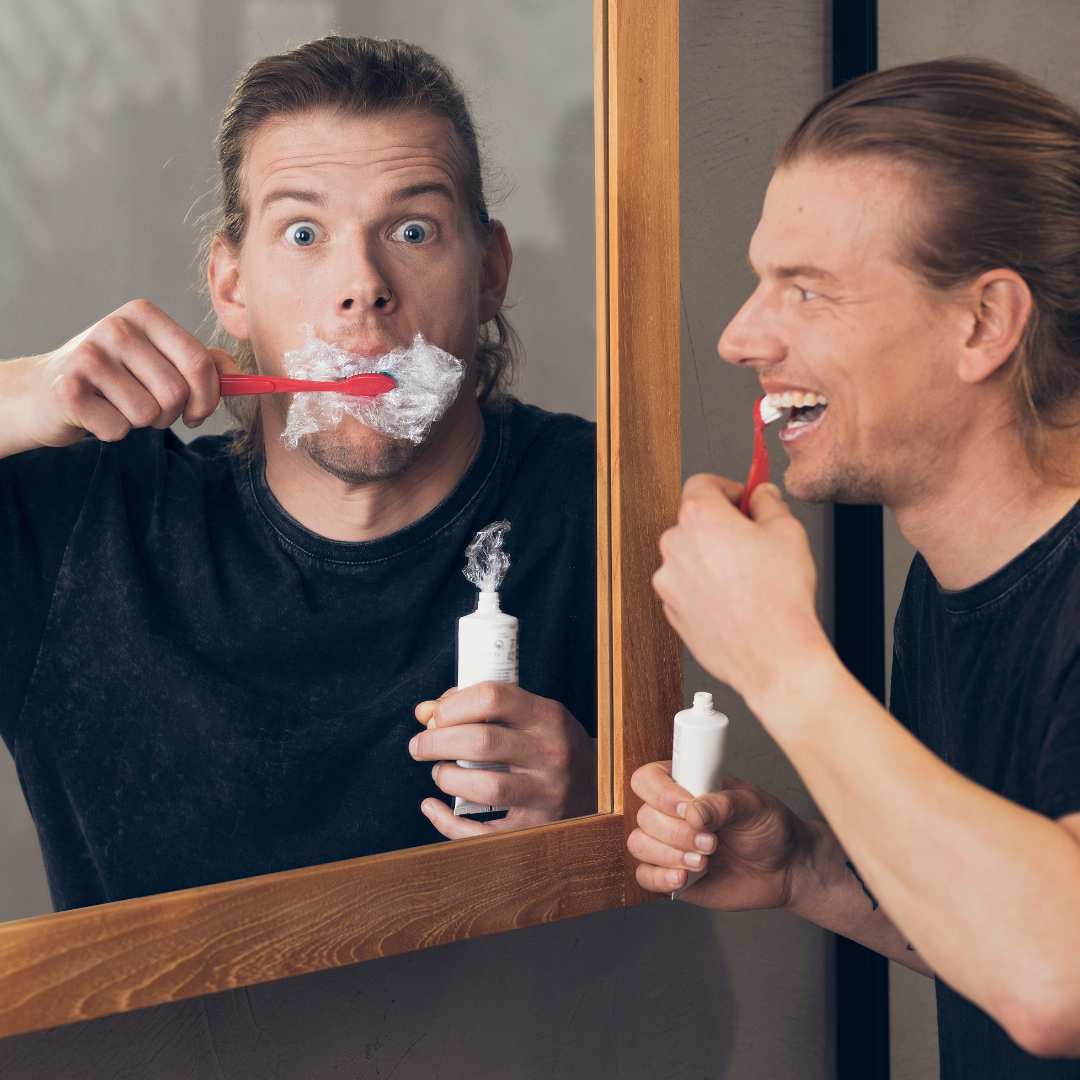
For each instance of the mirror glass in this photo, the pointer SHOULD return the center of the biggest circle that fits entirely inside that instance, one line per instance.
(106, 166)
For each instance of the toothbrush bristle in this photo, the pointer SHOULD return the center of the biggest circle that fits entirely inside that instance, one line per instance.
(769, 413)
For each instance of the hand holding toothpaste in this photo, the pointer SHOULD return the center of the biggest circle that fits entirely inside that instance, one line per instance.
(551, 757)
(752, 844)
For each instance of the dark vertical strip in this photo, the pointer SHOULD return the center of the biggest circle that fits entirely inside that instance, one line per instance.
(862, 976)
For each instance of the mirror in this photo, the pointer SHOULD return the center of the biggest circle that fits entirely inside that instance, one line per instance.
(93, 961)
(108, 132)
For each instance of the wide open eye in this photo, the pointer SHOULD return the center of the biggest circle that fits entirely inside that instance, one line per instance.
(412, 232)
(301, 234)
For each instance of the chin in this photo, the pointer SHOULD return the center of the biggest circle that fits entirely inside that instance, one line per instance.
(852, 483)
(359, 457)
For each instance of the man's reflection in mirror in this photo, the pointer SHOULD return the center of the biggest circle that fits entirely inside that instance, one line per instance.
(229, 658)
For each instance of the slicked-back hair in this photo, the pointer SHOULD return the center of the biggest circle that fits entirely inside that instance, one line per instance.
(997, 157)
(350, 76)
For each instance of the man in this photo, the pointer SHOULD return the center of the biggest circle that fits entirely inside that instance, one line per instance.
(919, 264)
(212, 658)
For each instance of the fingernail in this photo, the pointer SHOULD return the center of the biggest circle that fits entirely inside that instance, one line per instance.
(772, 489)
(197, 423)
(693, 860)
(435, 770)
(681, 809)
(705, 810)
(674, 879)
(431, 723)
(413, 743)
(705, 841)
(427, 809)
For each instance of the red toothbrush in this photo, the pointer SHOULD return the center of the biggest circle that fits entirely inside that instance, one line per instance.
(368, 384)
(764, 414)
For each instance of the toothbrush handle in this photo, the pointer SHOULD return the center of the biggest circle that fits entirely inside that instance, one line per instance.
(368, 384)
(759, 466)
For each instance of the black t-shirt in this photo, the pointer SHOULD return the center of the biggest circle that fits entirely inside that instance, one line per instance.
(197, 688)
(989, 679)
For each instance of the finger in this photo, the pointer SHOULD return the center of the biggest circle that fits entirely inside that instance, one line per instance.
(203, 376)
(709, 486)
(487, 702)
(194, 362)
(721, 809)
(674, 832)
(96, 372)
(767, 504)
(453, 828)
(486, 787)
(659, 879)
(425, 711)
(648, 849)
(654, 785)
(477, 742)
(91, 412)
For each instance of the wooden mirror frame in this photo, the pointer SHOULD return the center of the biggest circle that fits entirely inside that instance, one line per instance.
(90, 962)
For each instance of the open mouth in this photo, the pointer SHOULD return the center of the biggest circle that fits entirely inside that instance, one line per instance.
(807, 408)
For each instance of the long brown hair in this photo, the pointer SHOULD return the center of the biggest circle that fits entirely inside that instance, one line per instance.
(357, 76)
(999, 158)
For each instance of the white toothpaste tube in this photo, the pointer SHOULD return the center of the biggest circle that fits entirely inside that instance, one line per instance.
(487, 652)
(697, 757)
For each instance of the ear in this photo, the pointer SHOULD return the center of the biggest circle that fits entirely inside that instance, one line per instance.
(1001, 303)
(226, 289)
(495, 272)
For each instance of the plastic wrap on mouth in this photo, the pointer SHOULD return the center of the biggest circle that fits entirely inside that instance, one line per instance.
(427, 380)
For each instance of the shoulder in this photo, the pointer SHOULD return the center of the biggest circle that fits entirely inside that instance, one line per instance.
(554, 439)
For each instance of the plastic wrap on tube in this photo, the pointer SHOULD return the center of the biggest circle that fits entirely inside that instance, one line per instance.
(488, 562)
(427, 380)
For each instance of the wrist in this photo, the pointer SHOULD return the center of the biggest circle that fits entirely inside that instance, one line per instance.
(15, 392)
(788, 691)
(811, 871)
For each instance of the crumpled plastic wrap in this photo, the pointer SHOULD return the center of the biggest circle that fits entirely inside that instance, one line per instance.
(488, 562)
(427, 380)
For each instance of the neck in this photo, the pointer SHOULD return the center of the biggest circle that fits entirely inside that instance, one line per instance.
(338, 510)
(991, 505)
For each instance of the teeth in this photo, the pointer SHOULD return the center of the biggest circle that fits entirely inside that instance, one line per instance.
(796, 399)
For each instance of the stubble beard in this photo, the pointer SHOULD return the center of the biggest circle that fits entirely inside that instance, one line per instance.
(850, 483)
(352, 465)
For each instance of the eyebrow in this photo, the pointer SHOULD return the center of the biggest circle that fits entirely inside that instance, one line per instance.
(435, 187)
(315, 198)
(817, 273)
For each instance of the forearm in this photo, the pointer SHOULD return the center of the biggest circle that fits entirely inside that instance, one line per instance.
(14, 395)
(827, 889)
(984, 889)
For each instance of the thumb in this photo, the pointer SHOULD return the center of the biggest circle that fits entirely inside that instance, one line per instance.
(767, 504)
(224, 362)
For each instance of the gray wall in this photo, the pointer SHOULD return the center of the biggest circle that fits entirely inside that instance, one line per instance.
(660, 991)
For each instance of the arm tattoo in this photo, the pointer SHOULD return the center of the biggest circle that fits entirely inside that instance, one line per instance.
(873, 900)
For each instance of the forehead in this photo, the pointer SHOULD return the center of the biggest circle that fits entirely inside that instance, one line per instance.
(850, 214)
(386, 148)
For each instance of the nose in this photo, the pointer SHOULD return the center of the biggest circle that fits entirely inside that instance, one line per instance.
(363, 285)
(751, 338)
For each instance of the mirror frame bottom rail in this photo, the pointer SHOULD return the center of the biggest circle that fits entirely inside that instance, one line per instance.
(91, 962)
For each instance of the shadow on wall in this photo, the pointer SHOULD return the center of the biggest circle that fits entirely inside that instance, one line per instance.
(590, 998)
(553, 290)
